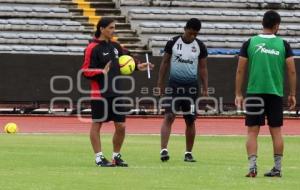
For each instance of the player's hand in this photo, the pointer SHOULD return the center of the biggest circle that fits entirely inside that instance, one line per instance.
(143, 66)
(291, 102)
(205, 93)
(106, 68)
(239, 102)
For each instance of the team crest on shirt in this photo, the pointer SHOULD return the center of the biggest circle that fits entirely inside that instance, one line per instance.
(116, 53)
(262, 49)
(194, 49)
(179, 59)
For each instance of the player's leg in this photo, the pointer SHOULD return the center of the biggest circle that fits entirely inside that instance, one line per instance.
(165, 134)
(189, 110)
(95, 137)
(278, 146)
(255, 117)
(251, 147)
(171, 107)
(166, 129)
(118, 137)
(119, 117)
(275, 121)
(118, 140)
(190, 133)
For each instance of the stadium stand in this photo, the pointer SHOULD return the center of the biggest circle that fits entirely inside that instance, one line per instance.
(58, 26)
(56, 29)
(89, 12)
(223, 30)
(65, 26)
(213, 3)
(40, 26)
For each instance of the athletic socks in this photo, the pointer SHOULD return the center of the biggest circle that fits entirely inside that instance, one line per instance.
(277, 161)
(115, 154)
(98, 156)
(252, 161)
(164, 149)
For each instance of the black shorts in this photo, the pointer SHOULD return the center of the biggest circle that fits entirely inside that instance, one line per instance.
(181, 100)
(272, 108)
(102, 110)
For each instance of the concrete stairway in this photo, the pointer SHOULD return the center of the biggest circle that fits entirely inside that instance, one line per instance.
(88, 12)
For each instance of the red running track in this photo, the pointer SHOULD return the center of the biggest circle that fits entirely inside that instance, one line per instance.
(139, 125)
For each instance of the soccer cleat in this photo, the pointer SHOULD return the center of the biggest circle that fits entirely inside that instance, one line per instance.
(252, 172)
(188, 157)
(164, 156)
(104, 162)
(273, 173)
(117, 161)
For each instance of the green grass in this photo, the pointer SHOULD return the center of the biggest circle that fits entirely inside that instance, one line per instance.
(65, 162)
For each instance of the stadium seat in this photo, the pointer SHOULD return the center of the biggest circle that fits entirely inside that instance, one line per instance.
(39, 48)
(31, 1)
(20, 48)
(58, 49)
(39, 26)
(225, 23)
(5, 48)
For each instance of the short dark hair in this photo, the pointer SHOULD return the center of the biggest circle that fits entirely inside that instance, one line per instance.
(271, 18)
(103, 22)
(194, 24)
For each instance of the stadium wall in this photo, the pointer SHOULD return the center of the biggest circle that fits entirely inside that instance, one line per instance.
(26, 78)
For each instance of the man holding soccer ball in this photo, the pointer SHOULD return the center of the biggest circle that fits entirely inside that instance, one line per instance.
(101, 66)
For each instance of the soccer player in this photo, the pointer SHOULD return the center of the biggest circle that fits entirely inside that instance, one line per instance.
(184, 56)
(266, 56)
(100, 62)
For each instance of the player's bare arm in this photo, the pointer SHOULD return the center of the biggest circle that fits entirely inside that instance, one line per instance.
(240, 77)
(203, 75)
(292, 78)
(164, 67)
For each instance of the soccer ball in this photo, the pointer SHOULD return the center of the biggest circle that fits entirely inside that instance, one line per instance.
(127, 64)
(11, 128)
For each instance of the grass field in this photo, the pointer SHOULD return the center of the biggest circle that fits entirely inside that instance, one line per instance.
(65, 162)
